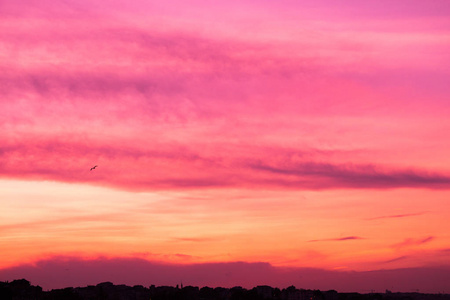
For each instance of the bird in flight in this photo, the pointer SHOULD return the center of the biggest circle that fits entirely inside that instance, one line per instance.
(93, 168)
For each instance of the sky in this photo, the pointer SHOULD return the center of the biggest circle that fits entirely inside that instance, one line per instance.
(298, 142)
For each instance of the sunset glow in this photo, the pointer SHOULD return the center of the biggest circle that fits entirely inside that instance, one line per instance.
(298, 134)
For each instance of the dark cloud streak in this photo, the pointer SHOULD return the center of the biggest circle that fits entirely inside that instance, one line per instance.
(413, 242)
(323, 175)
(347, 238)
(159, 166)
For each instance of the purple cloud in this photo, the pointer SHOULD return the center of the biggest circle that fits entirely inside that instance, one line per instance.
(396, 259)
(322, 175)
(60, 272)
(39, 156)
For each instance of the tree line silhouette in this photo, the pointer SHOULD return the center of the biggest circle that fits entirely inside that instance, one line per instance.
(22, 290)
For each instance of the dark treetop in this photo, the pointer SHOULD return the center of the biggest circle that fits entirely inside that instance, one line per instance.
(22, 290)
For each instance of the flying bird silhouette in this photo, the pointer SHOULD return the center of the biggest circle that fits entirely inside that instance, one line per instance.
(93, 168)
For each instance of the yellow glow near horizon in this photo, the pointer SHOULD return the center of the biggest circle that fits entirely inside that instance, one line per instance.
(327, 229)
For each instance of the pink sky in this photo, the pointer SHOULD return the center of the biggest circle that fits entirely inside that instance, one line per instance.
(293, 134)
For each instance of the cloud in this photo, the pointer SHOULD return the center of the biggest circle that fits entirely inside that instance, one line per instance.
(397, 216)
(199, 109)
(347, 238)
(144, 166)
(413, 242)
(107, 223)
(195, 239)
(396, 259)
(323, 175)
(60, 272)
(426, 240)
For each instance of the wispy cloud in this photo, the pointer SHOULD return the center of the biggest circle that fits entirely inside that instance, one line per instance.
(321, 175)
(397, 216)
(396, 259)
(347, 238)
(410, 242)
(101, 90)
(158, 165)
(195, 239)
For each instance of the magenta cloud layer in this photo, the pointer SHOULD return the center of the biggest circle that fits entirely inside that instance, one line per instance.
(161, 107)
